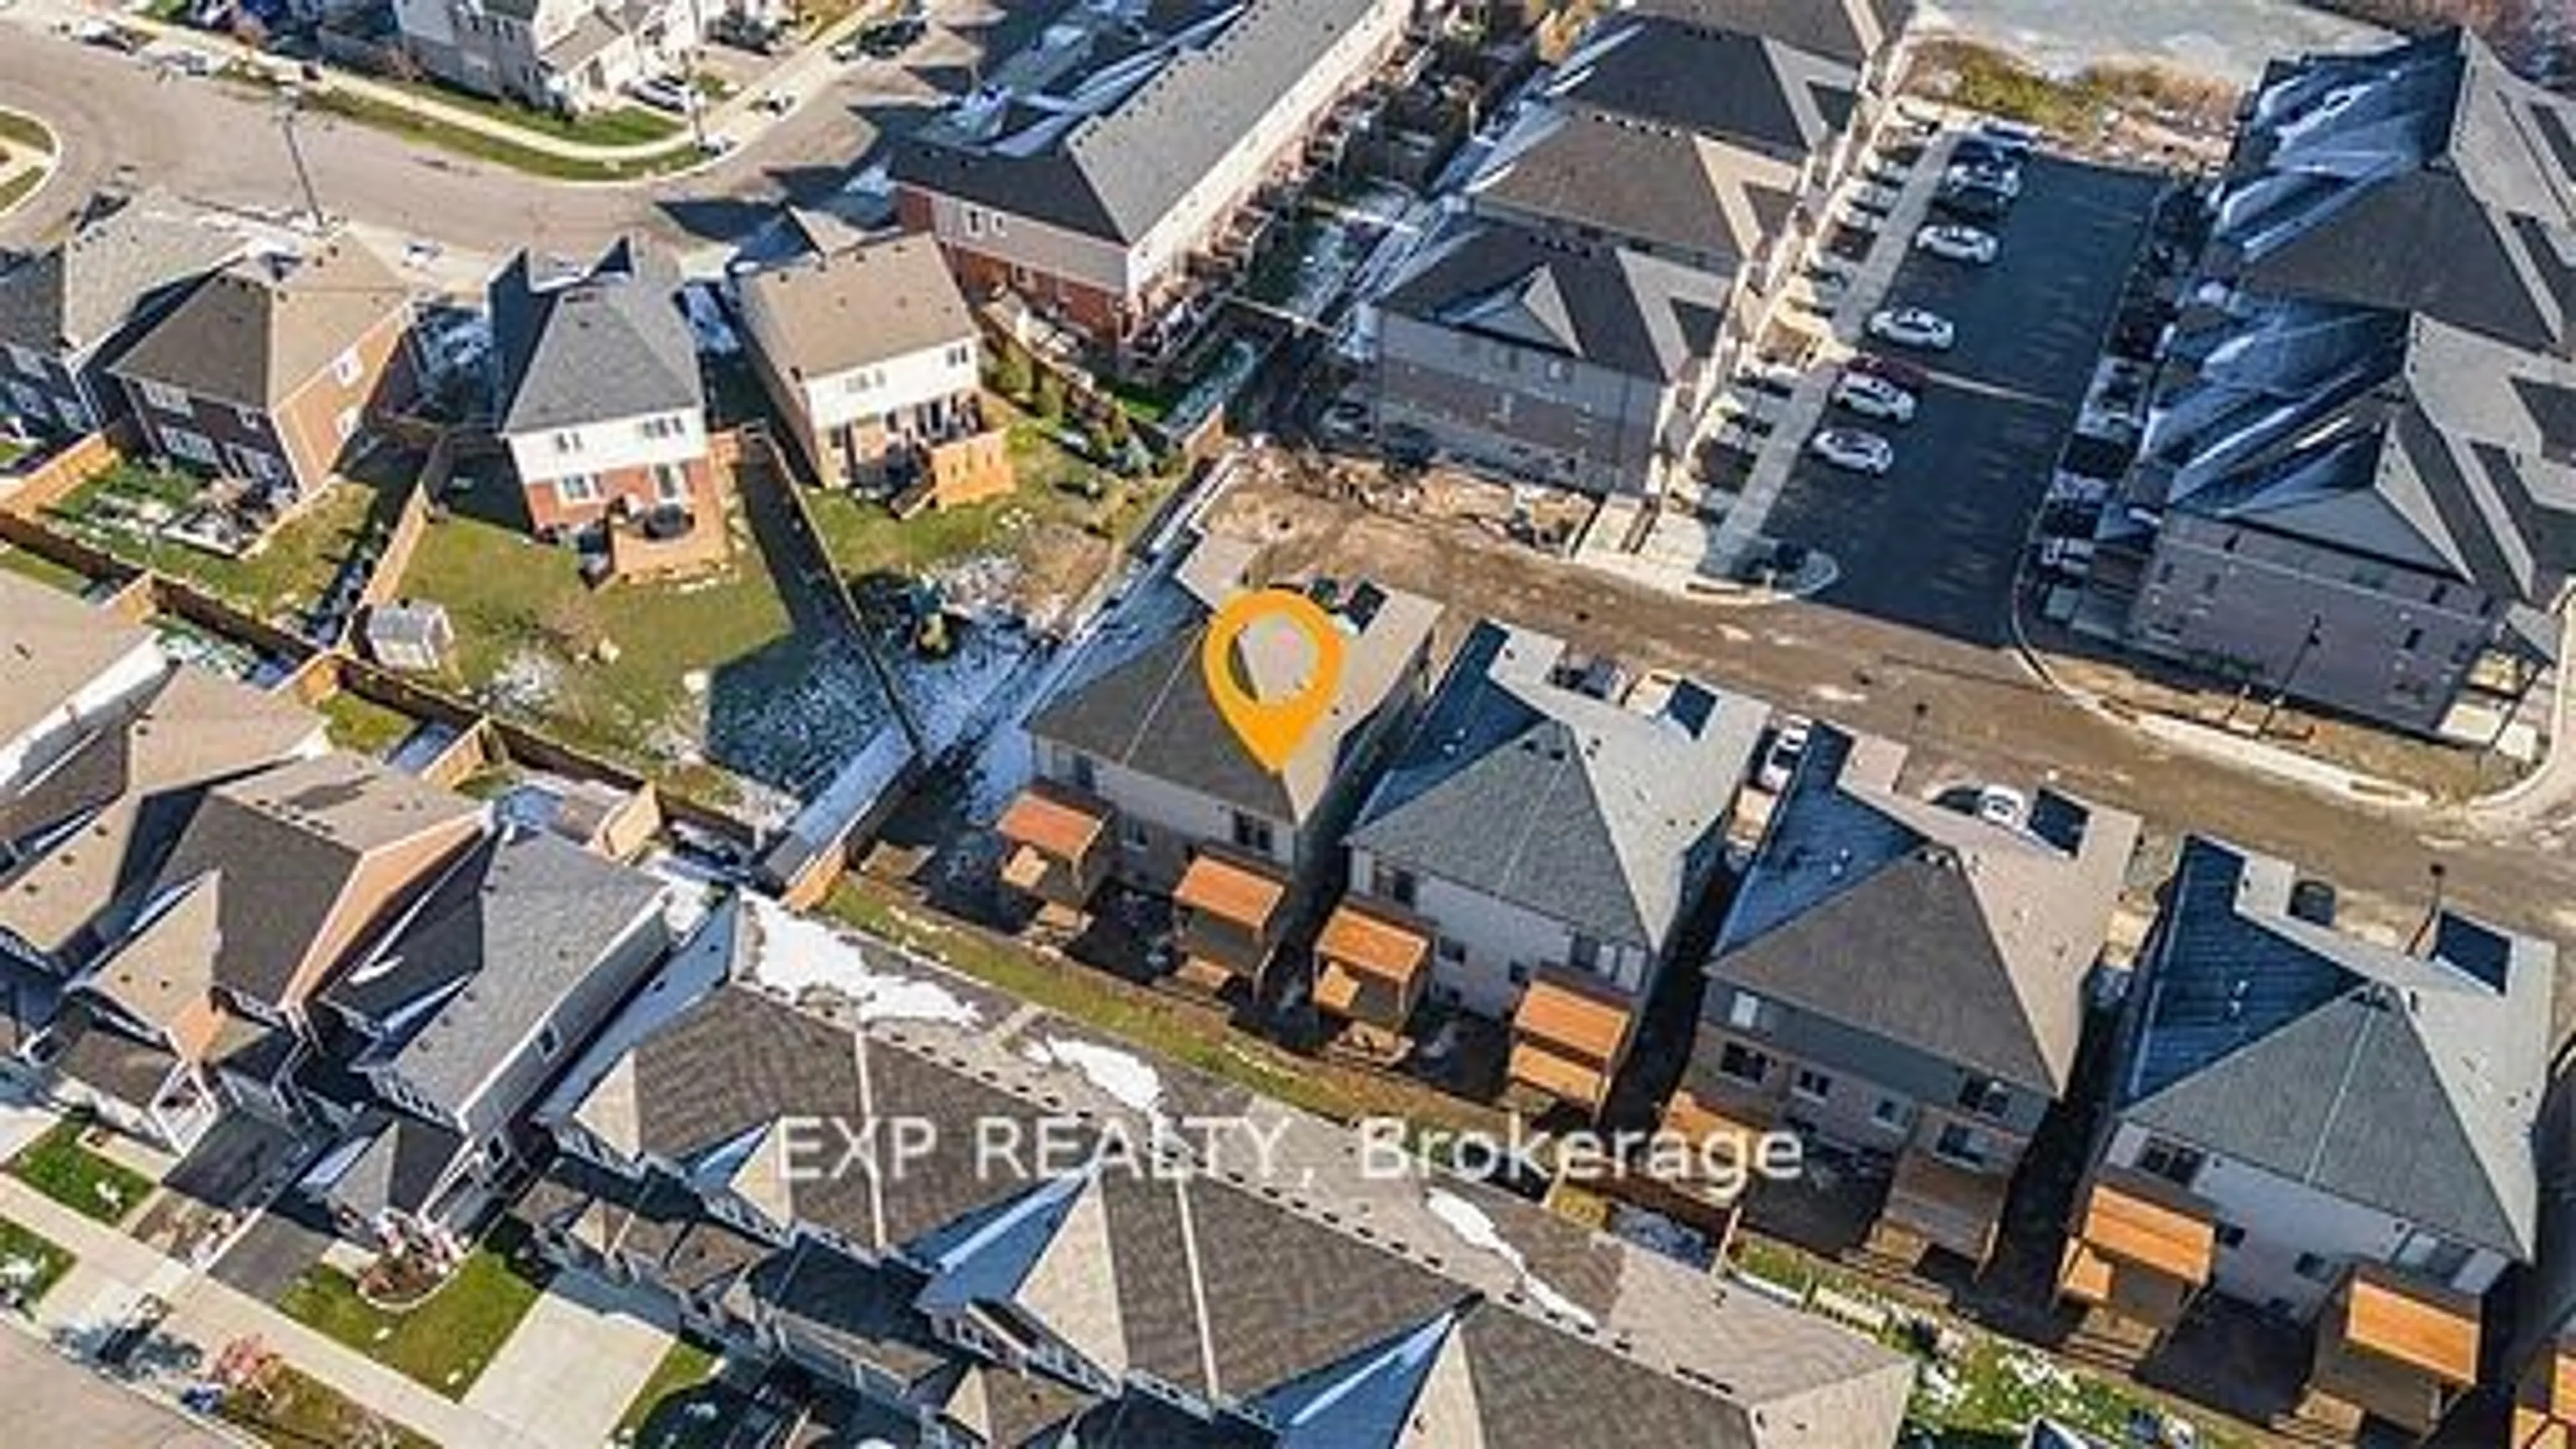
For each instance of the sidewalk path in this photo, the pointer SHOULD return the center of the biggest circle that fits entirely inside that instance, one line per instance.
(211, 1315)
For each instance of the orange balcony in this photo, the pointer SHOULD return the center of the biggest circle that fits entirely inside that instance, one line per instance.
(2142, 1249)
(2397, 1348)
(1230, 915)
(1567, 1041)
(1060, 845)
(1370, 970)
(2544, 1404)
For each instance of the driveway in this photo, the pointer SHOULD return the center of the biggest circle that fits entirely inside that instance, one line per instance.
(273, 1251)
(1933, 544)
(574, 1363)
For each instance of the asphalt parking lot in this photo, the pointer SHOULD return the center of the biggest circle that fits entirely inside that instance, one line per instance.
(1932, 544)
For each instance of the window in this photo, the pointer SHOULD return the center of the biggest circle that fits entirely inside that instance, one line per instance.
(1252, 833)
(2314, 1268)
(250, 418)
(961, 354)
(549, 1041)
(167, 399)
(346, 424)
(1962, 1144)
(974, 221)
(1985, 1096)
(670, 483)
(2171, 1161)
(1743, 1063)
(1085, 772)
(1132, 834)
(1812, 1085)
(2414, 640)
(577, 488)
(567, 443)
(1890, 1113)
(1744, 1013)
(191, 446)
(1452, 950)
(1518, 971)
(1583, 953)
(2371, 577)
(1394, 883)
(2431, 1255)
(2229, 1235)
(664, 427)
(346, 367)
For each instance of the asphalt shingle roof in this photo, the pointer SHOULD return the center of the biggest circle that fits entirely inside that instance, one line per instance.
(1848, 31)
(109, 274)
(1725, 85)
(822, 315)
(262, 327)
(609, 344)
(1645, 183)
(1619, 309)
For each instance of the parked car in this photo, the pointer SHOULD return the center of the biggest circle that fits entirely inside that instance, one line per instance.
(663, 93)
(1895, 369)
(1854, 451)
(1788, 745)
(107, 36)
(887, 39)
(1976, 202)
(2004, 178)
(774, 103)
(1913, 327)
(2018, 138)
(1954, 241)
(2002, 805)
(2072, 557)
(1872, 396)
(1346, 421)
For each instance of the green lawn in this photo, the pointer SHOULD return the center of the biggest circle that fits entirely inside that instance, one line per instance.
(362, 726)
(285, 575)
(624, 126)
(660, 1416)
(25, 130)
(58, 1166)
(466, 141)
(18, 187)
(444, 1341)
(297, 1411)
(30, 1265)
(42, 569)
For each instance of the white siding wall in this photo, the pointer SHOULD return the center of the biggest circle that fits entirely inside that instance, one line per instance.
(40, 744)
(1181, 812)
(1496, 936)
(606, 447)
(2283, 1219)
(922, 377)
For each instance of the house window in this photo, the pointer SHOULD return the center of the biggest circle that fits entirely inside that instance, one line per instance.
(1132, 834)
(192, 446)
(2229, 1235)
(1890, 1113)
(2171, 1161)
(1252, 833)
(1517, 973)
(2414, 641)
(251, 418)
(1394, 883)
(1985, 1096)
(346, 424)
(2314, 1267)
(166, 399)
(346, 367)
(1452, 950)
(577, 488)
(961, 354)
(1743, 1063)
(567, 442)
(1744, 1013)
(1811, 1085)
(1962, 1144)
(974, 221)
(1085, 772)
(670, 483)
(2431, 1255)
(1583, 953)
(666, 427)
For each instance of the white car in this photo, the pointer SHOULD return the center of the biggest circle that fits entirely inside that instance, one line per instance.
(1781, 761)
(2002, 805)
(2004, 181)
(1854, 451)
(662, 93)
(2012, 136)
(1913, 327)
(1957, 243)
(1872, 396)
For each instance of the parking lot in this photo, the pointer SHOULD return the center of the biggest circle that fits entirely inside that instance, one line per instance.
(1932, 544)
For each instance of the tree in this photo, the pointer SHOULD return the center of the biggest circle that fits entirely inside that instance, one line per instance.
(1011, 372)
(1050, 397)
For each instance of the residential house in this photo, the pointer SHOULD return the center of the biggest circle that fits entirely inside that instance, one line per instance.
(571, 56)
(1088, 171)
(70, 665)
(2342, 1131)
(67, 311)
(1645, 185)
(1140, 779)
(1863, 34)
(1906, 979)
(199, 1004)
(871, 355)
(271, 370)
(1536, 851)
(599, 398)
(463, 1013)
(986, 1300)
(1574, 362)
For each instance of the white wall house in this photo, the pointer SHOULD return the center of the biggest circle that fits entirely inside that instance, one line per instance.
(1488, 948)
(588, 451)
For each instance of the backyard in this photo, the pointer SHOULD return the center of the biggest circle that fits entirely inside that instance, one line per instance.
(444, 1341)
(43, 570)
(57, 1165)
(30, 1266)
(362, 726)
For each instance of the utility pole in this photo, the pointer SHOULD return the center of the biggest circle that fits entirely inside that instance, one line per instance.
(689, 96)
(286, 118)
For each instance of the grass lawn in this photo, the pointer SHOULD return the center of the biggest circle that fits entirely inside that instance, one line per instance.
(19, 185)
(43, 570)
(467, 141)
(283, 577)
(624, 126)
(1174, 1030)
(25, 130)
(298, 1412)
(58, 1166)
(29, 1265)
(362, 726)
(660, 1416)
(445, 1340)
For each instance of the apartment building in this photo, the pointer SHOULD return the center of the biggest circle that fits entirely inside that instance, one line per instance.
(271, 370)
(67, 311)
(1906, 979)
(572, 56)
(1141, 780)
(1086, 172)
(2335, 1130)
(1534, 851)
(598, 394)
(870, 354)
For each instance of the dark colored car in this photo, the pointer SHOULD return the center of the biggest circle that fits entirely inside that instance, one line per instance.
(1896, 370)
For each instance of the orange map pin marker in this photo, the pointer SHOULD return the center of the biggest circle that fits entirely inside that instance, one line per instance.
(1271, 689)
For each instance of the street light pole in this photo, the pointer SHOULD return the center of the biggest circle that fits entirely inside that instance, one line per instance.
(286, 117)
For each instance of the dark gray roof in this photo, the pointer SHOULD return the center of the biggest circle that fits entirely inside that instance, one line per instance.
(1849, 31)
(1725, 85)
(606, 345)
(1618, 309)
(2424, 177)
(2378, 434)
(1996, 928)
(1645, 183)
(816, 316)
(261, 328)
(400, 1163)
(507, 934)
(90, 1051)
(113, 272)
(2409, 1083)
(1526, 789)
(1110, 154)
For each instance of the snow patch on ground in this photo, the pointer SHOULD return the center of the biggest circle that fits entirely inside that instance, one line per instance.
(794, 954)
(1469, 1222)
(1126, 1077)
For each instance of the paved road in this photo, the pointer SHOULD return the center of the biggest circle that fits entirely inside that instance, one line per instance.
(55, 1402)
(1933, 544)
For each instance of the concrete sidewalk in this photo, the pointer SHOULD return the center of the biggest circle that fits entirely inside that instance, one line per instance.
(114, 1268)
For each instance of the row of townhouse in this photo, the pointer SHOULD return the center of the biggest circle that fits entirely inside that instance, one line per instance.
(1236, 1294)
(2356, 484)
(266, 366)
(205, 912)
(570, 56)
(1622, 237)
